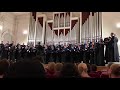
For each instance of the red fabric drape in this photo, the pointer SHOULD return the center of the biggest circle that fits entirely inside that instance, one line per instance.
(93, 13)
(73, 22)
(40, 19)
(61, 31)
(68, 13)
(61, 14)
(50, 25)
(85, 16)
(34, 15)
(56, 32)
(66, 31)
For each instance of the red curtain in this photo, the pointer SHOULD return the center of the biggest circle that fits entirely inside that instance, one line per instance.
(61, 14)
(34, 15)
(40, 19)
(85, 15)
(73, 22)
(61, 31)
(56, 32)
(66, 31)
(93, 13)
(50, 25)
(68, 13)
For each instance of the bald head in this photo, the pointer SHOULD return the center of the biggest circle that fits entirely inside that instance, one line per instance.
(82, 67)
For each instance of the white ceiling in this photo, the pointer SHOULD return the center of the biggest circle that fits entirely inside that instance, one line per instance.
(19, 13)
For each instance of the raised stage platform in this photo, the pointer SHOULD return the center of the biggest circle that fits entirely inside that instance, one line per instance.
(112, 62)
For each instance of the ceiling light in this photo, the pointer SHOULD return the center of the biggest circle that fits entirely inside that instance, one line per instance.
(1, 27)
(118, 25)
(25, 32)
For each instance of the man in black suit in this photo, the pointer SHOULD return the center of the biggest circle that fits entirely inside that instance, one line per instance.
(48, 53)
(82, 49)
(1, 49)
(114, 48)
(59, 53)
(100, 58)
(12, 52)
(23, 51)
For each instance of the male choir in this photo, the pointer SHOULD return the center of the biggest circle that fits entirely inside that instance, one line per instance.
(90, 52)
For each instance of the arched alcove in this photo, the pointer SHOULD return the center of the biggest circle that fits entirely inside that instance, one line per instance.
(7, 37)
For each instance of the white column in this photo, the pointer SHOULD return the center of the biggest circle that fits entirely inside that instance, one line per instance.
(85, 26)
(53, 36)
(58, 23)
(80, 27)
(95, 25)
(43, 32)
(69, 16)
(52, 33)
(28, 33)
(75, 30)
(54, 21)
(28, 27)
(70, 25)
(83, 29)
(91, 28)
(35, 29)
(81, 33)
(64, 35)
(100, 24)
(87, 30)
(64, 26)
(62, 21)
(57, 20)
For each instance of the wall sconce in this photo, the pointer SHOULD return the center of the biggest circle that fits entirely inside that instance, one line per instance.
(118, 25)
(25, 32)
(1, 28)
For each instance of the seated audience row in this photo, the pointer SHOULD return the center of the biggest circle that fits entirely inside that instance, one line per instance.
(35, 68)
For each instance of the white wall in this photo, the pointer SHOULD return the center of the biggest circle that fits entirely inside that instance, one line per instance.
(109, 24)
(22, 23)
(48, 33)
(7, 20)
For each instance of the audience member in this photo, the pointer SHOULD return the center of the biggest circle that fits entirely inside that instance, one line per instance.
(69, 70)
(38, 58)
(105, 74)
(58, 68)
(25, 69)
(94, 73)
(93, 68)
(114, 71)
(50, 70)
(89, 68)
(4, 66)
(82, 69)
